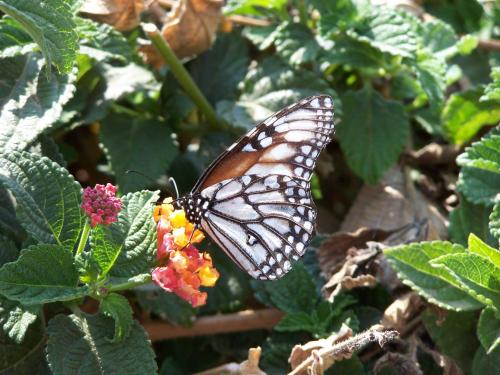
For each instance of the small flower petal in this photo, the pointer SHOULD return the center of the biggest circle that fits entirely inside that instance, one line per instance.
(101, 205)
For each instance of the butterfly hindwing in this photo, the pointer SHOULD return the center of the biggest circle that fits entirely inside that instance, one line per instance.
(287, 143)
(262, 223)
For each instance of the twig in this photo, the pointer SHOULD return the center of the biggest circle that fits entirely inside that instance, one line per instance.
(489, 44)
(375, 334)
(182, 75)
(247, 320)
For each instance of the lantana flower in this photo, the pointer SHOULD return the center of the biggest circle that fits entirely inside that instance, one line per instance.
(101, 205)
(182, 268)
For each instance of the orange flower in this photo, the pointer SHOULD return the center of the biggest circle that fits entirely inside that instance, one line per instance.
(183, 269)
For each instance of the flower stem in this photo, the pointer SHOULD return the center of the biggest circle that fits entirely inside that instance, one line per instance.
(131, 283)
(182, 75)
(83, 238)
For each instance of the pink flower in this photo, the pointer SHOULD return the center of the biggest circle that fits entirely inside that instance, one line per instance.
(101, 205)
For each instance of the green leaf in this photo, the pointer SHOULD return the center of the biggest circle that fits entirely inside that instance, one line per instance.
(50, 24)
(13, 39)
(431, 75)
(269, 87)
(373, 138)
(295, 292)
(135, 233)
(484, 364)
(137, 144)
(48, 198)
(354, 53)
(81, 346)
(455, 337)
(31, 100)
(495, 221)
(336, 15)
(22, 358)
(105, 249)
(464, 115)
(15, 318)
(492, 90)
(469, 218)
(474, 274)
(479, 247)
(255, 7)
(437, 36)
(299, 321)
(42, 274)
(479, 179)
(117, 307)
(411, 262)
(167, 305)
(102, 42)
(9, 252)
(219, 70)
(488, 330)
(296, 43)
(385, 29)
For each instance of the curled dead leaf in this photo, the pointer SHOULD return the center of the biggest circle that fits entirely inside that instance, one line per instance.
(399, 363)
(402, 310)
(434, 154)
(123, 15)
(248, 367)
(191, 26)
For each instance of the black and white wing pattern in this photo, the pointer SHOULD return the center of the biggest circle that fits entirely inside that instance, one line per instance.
(254, 201)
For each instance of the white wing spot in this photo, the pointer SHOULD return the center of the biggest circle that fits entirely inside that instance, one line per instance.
(306, 149)
(248, 148)
(266, 142)
(315, 103)
(299, 246)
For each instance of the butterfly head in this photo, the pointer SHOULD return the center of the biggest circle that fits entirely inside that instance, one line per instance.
(194, 205)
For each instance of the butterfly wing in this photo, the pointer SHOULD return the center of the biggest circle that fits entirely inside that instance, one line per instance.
(262, 223)
(287, 143)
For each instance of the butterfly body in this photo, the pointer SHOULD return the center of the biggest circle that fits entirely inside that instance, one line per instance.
(254, 200)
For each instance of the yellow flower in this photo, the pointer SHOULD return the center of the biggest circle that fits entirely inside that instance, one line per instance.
(208, 276)
(165, 209)
(178, 219)
(180, 238)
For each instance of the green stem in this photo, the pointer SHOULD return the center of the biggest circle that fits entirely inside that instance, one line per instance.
(302, 12)
(131, 283)
(182, 75)
(83, 238)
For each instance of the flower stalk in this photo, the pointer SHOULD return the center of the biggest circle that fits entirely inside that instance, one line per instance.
(84, 238)
(182, 75)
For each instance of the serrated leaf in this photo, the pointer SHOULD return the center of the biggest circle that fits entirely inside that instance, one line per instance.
(262, 37)
(48, 198)
(492, 90)
(117, 307)
(431, 76)
(488, 330)
(42, 274)
(269, 87)
(47, 146)
(31, 99)
(105, 248)
(479, 247)
(337, 15)
(437, 36)
(355, 53)
(385, 29)
(219, 70)
(137, 144)
(167, 305)
(373, 138)
(299, 321)
(436, 285)
(464, 115)
(15, 319)
(296, 43)
(9, 226)
(13, 39)
(479, 178)
(50, 24)
(474, 274)
(9, 251)
(455, 337)
(295, 292)
(81, 346)
(469, 218)
(135, 233)
(102, 42)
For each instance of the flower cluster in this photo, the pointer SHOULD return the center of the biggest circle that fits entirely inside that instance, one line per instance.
(183, 269)
(101, 205)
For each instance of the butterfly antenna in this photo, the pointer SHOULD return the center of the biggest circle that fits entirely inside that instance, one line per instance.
(172, 181)
(128, 171)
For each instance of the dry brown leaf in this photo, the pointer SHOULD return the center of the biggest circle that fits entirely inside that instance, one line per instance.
(123, 15)
(402, 310)
(350, 260)
(248, 367)
(301, 352)
(400, 363)
(446, 363)
(434, 154)
(192, 25)
(393, 203)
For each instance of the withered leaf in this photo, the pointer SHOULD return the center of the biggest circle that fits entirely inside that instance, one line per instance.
(123, 15)
(402, 310)
(402, 364)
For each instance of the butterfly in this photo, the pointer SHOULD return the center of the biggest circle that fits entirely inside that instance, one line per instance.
(254, 200)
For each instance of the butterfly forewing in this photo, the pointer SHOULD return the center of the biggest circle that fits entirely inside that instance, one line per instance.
(287, 143)
(263, 223)
(254, 200)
